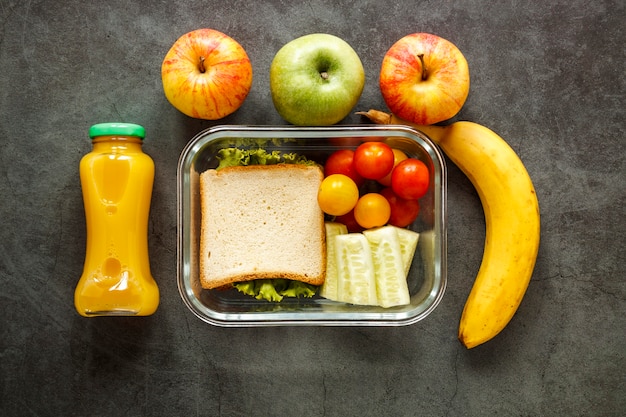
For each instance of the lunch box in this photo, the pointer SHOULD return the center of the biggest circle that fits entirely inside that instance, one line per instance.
(229, 308)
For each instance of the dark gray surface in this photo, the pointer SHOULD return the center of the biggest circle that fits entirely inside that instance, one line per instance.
(547, 76)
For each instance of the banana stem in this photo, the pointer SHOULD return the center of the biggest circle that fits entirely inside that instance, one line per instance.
(436, 133)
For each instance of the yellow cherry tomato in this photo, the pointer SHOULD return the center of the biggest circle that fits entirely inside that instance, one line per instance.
(372, 210)
(337, 194)
(398, 156)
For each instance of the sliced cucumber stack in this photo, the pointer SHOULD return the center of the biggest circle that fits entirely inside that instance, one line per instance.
(368, 268)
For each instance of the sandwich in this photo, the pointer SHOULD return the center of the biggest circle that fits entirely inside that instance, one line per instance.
(261, 222)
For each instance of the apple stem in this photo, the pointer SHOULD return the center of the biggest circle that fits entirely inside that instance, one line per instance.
(201, 66)
(424, 71)
(324, 75)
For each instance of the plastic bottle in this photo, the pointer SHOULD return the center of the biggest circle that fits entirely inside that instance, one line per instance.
(116, 179)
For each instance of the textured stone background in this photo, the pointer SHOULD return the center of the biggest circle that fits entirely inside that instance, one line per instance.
(547, 76)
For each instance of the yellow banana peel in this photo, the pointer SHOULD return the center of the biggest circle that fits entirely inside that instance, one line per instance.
(511, 218)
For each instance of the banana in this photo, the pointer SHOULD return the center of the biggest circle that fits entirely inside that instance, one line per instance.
(511, 219)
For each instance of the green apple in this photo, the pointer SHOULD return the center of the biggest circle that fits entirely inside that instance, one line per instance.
(316, 80)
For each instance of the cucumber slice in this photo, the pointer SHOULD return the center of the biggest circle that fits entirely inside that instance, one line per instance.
(356, 280)
(391, 286)
(408, 244)
(329, 288)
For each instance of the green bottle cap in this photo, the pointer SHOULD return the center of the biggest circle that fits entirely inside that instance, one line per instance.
(117, 129)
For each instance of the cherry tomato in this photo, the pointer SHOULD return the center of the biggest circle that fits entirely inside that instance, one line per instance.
(372, 210)
(337, 194)
(350, 222)
(403, 211)
(341, 162)
(398, 156)
(373, 160)
(410, 179)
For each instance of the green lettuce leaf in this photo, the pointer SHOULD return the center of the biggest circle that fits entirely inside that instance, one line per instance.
(299, 289)
(229, 157)
(276, 289)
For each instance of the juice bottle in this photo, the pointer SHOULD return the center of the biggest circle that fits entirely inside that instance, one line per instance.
(116, 179)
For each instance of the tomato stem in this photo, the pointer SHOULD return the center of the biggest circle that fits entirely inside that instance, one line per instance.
(424, 70)
(201, 66)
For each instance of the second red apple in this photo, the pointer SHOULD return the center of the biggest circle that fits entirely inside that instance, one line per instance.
(424, 79)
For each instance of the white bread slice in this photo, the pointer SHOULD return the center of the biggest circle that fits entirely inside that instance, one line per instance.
(261, 221)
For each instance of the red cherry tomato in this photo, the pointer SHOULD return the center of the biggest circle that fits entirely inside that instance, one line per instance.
(398, 156)
(373, 160)
(350, 222)
(341, 162)
(372, 210)
(410, 179)
(403, 211)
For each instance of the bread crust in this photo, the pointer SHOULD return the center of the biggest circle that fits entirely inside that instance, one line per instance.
(261, 221)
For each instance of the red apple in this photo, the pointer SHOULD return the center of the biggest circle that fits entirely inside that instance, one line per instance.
(424, 79)
(206, 74)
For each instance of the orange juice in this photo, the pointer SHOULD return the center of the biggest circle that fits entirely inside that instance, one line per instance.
(116, 179)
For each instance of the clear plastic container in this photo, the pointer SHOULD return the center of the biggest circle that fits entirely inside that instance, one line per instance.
(229, 308)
